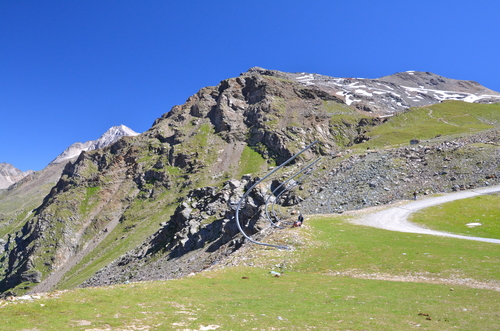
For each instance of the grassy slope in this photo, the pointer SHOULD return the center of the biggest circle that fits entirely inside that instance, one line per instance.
(454, 216)
(139, 223)
(17, 208)
(450, 118)
(312, 294)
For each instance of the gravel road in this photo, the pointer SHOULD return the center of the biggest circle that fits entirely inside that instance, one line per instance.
(396, 218)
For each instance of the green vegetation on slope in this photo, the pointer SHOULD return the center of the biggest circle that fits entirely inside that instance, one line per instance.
(312, 294)
(482, 211)
(345, 247)
(122, 239)
(250, 162)
(15, 224)
(447, 118)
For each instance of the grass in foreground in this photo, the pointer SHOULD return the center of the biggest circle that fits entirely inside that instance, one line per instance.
(309, 296)
(477, 216)
(344, 247)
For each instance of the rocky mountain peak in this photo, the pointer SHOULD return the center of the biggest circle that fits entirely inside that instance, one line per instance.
(389, 94)
(10, 174)
(428, 80)
(109, 137)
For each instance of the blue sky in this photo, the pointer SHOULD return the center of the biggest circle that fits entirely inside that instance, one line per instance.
(69, 70)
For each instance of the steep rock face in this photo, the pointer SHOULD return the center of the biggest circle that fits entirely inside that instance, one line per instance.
(279, 115)
(200, 233)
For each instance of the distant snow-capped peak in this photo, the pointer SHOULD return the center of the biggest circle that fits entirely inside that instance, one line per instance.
(109, 137)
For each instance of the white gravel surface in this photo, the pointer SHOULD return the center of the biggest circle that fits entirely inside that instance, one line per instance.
(396, 218)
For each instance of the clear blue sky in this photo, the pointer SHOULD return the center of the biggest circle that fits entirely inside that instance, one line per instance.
(69, 70)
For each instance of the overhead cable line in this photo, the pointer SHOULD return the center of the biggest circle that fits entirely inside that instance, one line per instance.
(253, 186)
(285, 190)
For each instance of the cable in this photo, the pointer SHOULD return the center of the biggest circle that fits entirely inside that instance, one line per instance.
(245, 195)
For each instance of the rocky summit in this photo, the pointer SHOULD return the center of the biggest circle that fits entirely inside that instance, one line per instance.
(109, 137)
(10, 174)
(163, 204)
(395, 93)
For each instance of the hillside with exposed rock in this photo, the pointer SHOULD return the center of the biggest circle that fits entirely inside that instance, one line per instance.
(162, 204)
(109, 137)
(26, 190)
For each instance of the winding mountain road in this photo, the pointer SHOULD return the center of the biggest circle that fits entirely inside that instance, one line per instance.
(396, 218)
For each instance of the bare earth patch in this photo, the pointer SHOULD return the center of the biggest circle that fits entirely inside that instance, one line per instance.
(420, 278)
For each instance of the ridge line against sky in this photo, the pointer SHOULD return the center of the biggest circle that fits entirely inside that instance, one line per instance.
(70, 70)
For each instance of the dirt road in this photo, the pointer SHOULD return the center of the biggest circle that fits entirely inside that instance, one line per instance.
(396, 218)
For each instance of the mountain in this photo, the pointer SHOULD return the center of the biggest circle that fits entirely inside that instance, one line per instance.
(429, 81)
(163, 204)
(392, 94)
(24, 192)
(10, 174)
(109, 137)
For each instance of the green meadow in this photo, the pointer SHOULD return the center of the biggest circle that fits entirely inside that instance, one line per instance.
(450, 119)
(478, 216)
(339, 276)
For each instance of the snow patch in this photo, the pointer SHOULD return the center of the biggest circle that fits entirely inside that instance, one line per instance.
(306, 79)
(363, 92)
(349, 101)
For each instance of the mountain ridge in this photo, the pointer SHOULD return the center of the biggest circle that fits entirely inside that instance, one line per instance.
(10, 174)
(152, 204)
(110, 136)
(389, 95)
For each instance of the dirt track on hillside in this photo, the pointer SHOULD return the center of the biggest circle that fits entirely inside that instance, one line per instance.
(396, 218)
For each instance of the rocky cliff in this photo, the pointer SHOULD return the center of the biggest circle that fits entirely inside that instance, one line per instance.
(161, 204)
